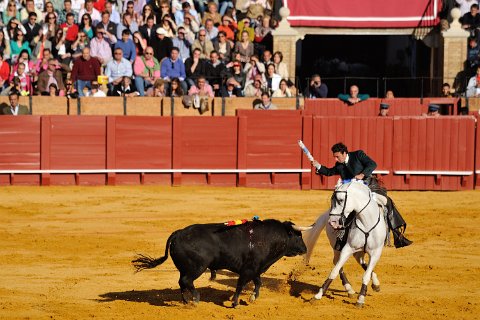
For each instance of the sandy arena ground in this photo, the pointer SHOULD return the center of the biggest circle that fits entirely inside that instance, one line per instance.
(66, 252)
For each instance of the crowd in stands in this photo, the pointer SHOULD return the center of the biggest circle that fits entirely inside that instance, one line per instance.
(157, 48)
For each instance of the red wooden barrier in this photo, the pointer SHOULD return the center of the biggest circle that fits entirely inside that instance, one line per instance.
(336, 107)
(19, 148)
(477, 154)
(269, 140)
(372, 135)
(433, 153)
(406, 107)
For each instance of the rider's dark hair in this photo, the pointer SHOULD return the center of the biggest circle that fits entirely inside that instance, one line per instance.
(339, 147)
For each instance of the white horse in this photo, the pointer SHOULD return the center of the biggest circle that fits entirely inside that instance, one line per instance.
(367, 234)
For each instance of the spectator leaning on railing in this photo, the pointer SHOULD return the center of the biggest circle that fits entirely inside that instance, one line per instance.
(354, 97)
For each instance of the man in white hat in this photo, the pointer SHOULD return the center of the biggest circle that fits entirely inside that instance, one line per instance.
(161, 44)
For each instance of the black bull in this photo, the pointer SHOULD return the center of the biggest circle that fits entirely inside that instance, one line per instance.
(247, 249)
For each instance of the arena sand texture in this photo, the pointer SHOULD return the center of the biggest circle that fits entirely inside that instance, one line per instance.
(66, 252)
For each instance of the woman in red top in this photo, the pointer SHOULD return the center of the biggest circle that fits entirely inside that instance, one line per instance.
(229, 26)
(4, 72)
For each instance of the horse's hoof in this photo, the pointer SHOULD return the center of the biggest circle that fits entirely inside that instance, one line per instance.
(376, 288)
(359, 305)
(352, 295)
(313, 300)
(252, 298)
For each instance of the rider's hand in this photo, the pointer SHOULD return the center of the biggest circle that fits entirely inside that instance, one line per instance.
(360, 176)
(316, 164)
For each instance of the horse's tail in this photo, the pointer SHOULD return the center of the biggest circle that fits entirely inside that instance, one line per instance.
(310, 237)
(146, 262)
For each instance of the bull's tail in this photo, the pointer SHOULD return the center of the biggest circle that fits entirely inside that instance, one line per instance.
(146, 262)
(310, 237)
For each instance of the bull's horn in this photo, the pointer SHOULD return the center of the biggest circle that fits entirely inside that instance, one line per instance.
(298, 228)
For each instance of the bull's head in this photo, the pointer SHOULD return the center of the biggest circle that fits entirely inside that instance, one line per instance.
(295, 244)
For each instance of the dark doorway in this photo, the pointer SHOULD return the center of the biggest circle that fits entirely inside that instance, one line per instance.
(374, 63)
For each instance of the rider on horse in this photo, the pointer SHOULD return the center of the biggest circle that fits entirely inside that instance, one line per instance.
(357, 165)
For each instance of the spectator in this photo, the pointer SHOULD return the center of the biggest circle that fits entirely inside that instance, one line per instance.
(95, 91)
(273, 79)
(51, 24)
(471, 20)
(186, 12)
(79, 44)
(465, 5)
(31, 27)
(389, 94)
(384, 107)
(162, 45)
(148, 30)
(235, 71)
(202, 88)
(194, 67)
(255, 88)
(114, 14)
(266, 103)
(12, 27)
(191, 28)
(99, 47)
(244, 25)
(24, 58)
(14, 85)
(354, 97)
(256, 8)
(67, 8)
(280, 66)
(28, 10)
(223, 47)
(244, 47)
(229, 26)
(107, 24)
(157, 90)
(86, 25)
(15, 108)
(129, 9)
(231, 89)
(59, 48)
(137, 6)
(211, 30)
(126, 88)
(4, 73)
(225, 5)
(53, 75)
(4, 46)
(174, 67)
(473, 87)
(214, 71)
(57, 4)
(147, 71)
(140, 43)
(70, 29)
(169, 25)
(433, 110)
(127, 23)
(11, 13)
(316, 88)
(99, 5)
(473, 55)
(204, 44)
(117, 68)
(283, 91)
(267, 58)
(446, 91)
(70, 91)
(41, 43)
(25, 79)
(183, 44)
(147, 12)
(92, 12)
(263, 33)
(212, 14)
(53, 90)
(162, 8)
(254, 68)
(127, 46)
(175, 89)
(18, 44)
(85, 70)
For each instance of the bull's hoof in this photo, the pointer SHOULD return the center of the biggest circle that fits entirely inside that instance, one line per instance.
(376, 288)
(359, 305)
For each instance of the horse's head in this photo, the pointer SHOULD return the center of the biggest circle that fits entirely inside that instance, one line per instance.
(348, 199)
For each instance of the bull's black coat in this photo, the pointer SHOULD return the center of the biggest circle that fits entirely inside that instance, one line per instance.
(248, 249)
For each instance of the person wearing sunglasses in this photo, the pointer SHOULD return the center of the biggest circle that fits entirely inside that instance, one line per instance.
(173, 67)
(147, 70)
(117, 68)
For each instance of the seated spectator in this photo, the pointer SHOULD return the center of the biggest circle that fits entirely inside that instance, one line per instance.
(91, 11)
(30, 69)
(473, 87)
(194, 67)
(161, 8)
(202, 88)
(446, 90)
(53, 75)
(127, 46)
(169, 25)
(134, 8)
(113, 11)
(70, 91)
(157, 90)
(231, 88)
(12, 27)
(473, 55)
(389, 94)
(471, 20)
(211, 30)
(4, 73)
(384, 107)
(53, 90)
(147, 12)
(244, 47)
(255, 88)
(229, 26)
(267, 58)
(31, 26)
(187, 11)
(4, 45)
(85, 70)
(212, 14)
(204, 44)
(79, 44)
(126, 88)
(354, 97)
(67, 8)
(41, 46)
(235, 71)
(223, 47)
(25, 14)
(18, 44)
(266, 103)
(128, 23)
(95, 91)
(283, 91)
(15, 108)
(13, 86)
(59, 49)
(280, 66)
(183, 44)
(191, 28)
(70, 29)
(263, 33)
(140, 43)
(253, 68)
(100, 48)
(162, 45)
(433, 110)
(316, 88)
(215, 71)
(148, 30)
(147, 71)
(175, 89)
(86, 26)
(117, 69)
(273, 79)
(25, 80)
(226, 5)
(256, 8)
(173, 67)
(11, 12)
(244, 25)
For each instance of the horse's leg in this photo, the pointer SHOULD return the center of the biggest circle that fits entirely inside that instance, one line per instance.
(374, 257)
(343, 276)
(344, 255)
(256, 292)
(360, 257)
